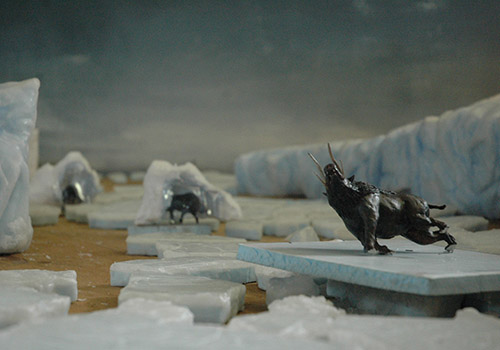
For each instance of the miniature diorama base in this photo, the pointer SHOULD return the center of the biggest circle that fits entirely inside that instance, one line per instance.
(414, 280)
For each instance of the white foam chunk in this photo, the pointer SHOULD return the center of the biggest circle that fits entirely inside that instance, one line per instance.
(18, 304)
(116, 329)
(251, 230)
(119, 215)
(60, 282)
(201, 228)
(279, 288)
(79, 212)
(449, 159)
(306, 234)
(163, 180)
(332, 229)
(179, 249)
(209, 300)
(18, 102)
(466, 222)
(282, 227)
(146, 244)
(216, 268)
(164, 311)
(137, 176)
(43, 214)
(265, 273)
(224, 181)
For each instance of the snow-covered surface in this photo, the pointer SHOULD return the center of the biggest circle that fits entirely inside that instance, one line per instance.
(452, 159)
(425, 270)
(60, 282)
(20, 304)
(48, 183)
(163, 180)
(209, 300)
(217, 268)
(18, 103)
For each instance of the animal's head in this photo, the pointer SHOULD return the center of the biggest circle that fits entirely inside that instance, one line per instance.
(73, 194)
(332, 173)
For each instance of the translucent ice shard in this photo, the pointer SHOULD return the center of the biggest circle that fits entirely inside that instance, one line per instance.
(60, 282)
(450, 159)
(18, 304)
(213, 301)
(18, 103)
(216, 268)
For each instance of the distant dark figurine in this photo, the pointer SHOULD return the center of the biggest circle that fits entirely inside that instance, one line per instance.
(185, 203)
(71, 195)
(370, 213)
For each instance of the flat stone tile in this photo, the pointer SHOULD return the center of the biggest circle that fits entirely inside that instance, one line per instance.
(42, 215)
(412, 268)
(20, 304)
(217, 268)
(146, 244)
(59, 282)
(180, 249)
(209, 300)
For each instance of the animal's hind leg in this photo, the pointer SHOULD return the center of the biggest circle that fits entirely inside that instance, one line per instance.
(426, 237)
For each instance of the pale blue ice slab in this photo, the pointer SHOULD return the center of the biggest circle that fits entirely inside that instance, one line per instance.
(213, 301)
(20, 304)
(415, 269)
(146, 244)
(118, 215)
(60, 282)
(217, 268)
(44, 214)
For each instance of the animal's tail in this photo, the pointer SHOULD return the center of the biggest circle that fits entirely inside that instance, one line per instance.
(440, 207)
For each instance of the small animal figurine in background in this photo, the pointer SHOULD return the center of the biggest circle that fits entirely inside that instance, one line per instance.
(71, 195)
(185, 203)
(370, 213)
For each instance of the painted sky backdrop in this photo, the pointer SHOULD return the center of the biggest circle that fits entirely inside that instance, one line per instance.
(126, 82)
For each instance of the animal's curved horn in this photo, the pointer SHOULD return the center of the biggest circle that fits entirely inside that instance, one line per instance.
(333, 159)
(317, 164)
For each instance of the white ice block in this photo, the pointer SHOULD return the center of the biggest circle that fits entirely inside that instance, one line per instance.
(306, 234)
(451, 159)
(248, 229)
(114, 329)
(179, 249)
(424, 270)
(209, 300)
(60, 282)
(118, 177)
(18, 102)
(164, 311)
(282, 227)
(279, 288)
(146, 244)
(302, 305)
(79, 212)
(332, 229)
(18, 304)
(216, 268)
(265, 273)
(137, 176)
(44, 214)
(119, 215)
(201, 228)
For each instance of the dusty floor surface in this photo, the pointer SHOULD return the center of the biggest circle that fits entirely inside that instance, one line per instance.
(90, 252)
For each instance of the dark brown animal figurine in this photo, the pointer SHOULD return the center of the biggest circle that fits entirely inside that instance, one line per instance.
(185, 203)
(370, 213)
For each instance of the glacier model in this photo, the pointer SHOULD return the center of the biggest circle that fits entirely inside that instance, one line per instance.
(452, 159)
(18, 101)
(70, 181)
(164, 181)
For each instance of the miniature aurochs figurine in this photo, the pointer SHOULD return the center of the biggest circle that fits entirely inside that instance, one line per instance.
(370, 213)
(185, 203)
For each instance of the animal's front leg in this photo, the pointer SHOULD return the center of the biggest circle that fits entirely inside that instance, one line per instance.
(368, 210)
